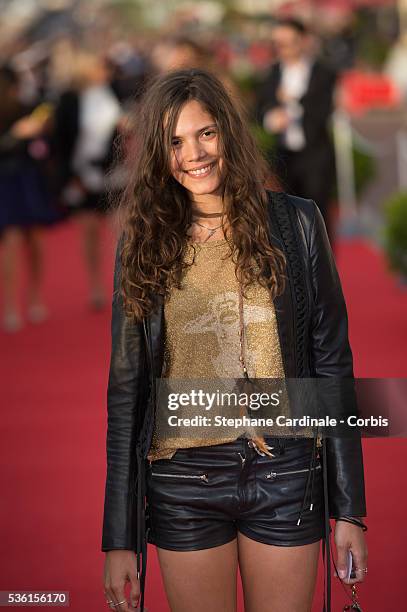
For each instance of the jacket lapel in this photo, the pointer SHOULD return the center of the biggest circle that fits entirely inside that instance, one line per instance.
(156, 329)
(283, 303)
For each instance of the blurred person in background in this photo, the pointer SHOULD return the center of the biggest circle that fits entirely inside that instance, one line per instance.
(25, 200)
(130, 68)
(86, 119)
(177, 52)
(61, 64)
(295, 102)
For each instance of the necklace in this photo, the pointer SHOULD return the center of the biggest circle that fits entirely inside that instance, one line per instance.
(242, 335)
(202, 215)
(211, 230)
(256, 442)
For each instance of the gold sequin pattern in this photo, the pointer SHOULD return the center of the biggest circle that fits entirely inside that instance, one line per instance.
(202, 331)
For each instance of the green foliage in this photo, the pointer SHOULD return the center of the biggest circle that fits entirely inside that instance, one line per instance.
(365, 169)
(247, 83)
(395, 232)
(374, 51)
(374, 36)
(265, 141)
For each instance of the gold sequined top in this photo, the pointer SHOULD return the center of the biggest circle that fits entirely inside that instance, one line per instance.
(202, 333)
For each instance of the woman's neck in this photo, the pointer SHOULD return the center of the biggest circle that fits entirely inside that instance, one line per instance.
(207, 203)
(207, 214)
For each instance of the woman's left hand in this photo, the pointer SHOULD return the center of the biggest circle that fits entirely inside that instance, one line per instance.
(350, 537)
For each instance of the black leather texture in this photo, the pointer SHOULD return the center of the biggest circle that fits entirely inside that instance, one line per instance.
(201, 497)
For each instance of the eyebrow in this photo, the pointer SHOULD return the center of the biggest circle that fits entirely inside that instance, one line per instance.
(202, 129)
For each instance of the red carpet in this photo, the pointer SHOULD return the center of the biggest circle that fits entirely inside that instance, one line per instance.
(53, 435)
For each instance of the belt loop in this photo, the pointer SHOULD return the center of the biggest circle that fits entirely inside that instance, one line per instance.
(281, 445)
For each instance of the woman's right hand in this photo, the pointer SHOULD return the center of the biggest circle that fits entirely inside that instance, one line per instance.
(120, 567)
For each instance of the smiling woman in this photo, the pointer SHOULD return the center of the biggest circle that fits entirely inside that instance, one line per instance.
(213, 280)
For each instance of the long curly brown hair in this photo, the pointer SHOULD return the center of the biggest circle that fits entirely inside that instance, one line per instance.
(156, 211)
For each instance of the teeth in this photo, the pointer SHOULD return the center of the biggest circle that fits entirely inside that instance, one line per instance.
(200, 171)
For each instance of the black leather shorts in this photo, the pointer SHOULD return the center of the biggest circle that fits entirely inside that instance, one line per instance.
(201, 497)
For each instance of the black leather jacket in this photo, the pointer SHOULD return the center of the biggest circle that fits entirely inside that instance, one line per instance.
(313, 332)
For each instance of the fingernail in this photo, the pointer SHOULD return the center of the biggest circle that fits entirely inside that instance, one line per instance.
(342, 573)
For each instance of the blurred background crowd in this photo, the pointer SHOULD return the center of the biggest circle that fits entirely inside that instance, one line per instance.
(323, 82)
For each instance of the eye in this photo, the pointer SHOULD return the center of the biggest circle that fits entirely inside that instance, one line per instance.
(206, 132)
(176, 142)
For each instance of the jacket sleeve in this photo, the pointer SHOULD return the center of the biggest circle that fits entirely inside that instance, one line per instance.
(332, 357)
(123, 400)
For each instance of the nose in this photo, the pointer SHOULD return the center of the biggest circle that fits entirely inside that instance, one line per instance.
(194, 151)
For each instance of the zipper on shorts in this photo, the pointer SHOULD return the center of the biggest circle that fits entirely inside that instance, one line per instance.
(203, 477)
(274, 475)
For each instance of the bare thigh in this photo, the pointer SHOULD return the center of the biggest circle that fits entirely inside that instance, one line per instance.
(200, 580)
(277, 578)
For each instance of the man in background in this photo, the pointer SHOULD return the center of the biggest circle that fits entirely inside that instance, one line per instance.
(295, 103)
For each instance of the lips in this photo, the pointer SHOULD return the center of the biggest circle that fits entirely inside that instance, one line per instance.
(201, 172)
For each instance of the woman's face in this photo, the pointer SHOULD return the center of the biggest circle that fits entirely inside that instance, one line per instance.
(195, 162)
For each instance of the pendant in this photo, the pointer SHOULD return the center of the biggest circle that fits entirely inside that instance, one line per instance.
(211, 233)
